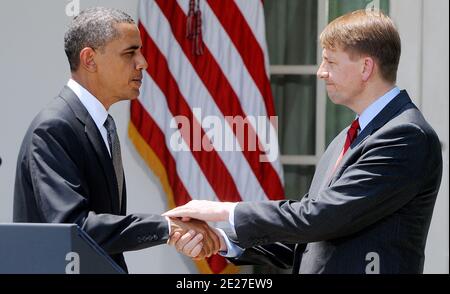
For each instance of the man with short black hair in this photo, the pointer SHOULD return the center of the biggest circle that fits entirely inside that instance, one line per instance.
(69, 168)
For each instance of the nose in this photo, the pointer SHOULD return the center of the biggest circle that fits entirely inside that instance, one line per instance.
(141, 63)
(322, 72)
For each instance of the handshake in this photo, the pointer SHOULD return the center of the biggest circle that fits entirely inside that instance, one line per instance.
(190, 232)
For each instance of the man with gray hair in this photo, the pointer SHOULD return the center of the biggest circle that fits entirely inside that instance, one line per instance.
(69, 168)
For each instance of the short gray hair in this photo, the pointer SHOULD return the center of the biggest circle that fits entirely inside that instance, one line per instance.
(93, 27)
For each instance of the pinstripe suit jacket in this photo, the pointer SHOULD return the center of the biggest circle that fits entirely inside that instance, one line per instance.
(372, 214)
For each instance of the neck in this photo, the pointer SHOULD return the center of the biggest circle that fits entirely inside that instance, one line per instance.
(92, 86)
(370, 93)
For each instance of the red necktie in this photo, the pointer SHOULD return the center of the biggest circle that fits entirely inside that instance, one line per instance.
(352, 133)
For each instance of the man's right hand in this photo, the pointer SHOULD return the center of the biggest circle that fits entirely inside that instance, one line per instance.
(193, 238)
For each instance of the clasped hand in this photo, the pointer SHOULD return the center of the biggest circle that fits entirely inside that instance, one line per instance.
(191, 235)
(194, 238)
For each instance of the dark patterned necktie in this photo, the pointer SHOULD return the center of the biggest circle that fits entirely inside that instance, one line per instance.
(114, 148)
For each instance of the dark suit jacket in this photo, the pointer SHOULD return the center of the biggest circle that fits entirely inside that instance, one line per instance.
(380, 199)
(65, 175)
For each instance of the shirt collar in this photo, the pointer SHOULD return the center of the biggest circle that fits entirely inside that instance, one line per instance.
(370, 112)
(95, 108)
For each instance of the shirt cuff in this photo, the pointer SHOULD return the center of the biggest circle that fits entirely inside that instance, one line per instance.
(231, 218)
(168, 223)
(233, 250)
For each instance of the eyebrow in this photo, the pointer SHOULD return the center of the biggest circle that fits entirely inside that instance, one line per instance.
(134, 47)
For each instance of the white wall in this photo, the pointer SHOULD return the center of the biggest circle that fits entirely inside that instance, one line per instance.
(436, 109)
(423, 71)
(33, 68)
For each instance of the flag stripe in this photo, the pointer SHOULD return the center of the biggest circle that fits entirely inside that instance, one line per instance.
(186, 166)
(256, 21)
(210, 163)
(243, 39)
(198, 96)
(152, 160)
(152, 134)
(224, 96)
(230, 64)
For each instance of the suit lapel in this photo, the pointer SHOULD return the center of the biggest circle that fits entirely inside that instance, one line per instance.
(334, 155)
(97, 143)
(385, 115)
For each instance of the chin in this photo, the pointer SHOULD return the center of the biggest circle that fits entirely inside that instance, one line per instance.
(331, 96)
(335, 98)
(134, 94)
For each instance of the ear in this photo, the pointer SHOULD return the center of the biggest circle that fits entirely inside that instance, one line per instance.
(368, 68)
(87, 61)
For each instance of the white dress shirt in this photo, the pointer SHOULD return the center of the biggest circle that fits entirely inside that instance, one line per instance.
(364, 119)
(95, 108)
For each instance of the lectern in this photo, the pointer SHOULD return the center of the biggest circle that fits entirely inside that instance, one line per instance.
(31, 248)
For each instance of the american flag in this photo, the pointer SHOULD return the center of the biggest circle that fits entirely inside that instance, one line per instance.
(206, 58)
